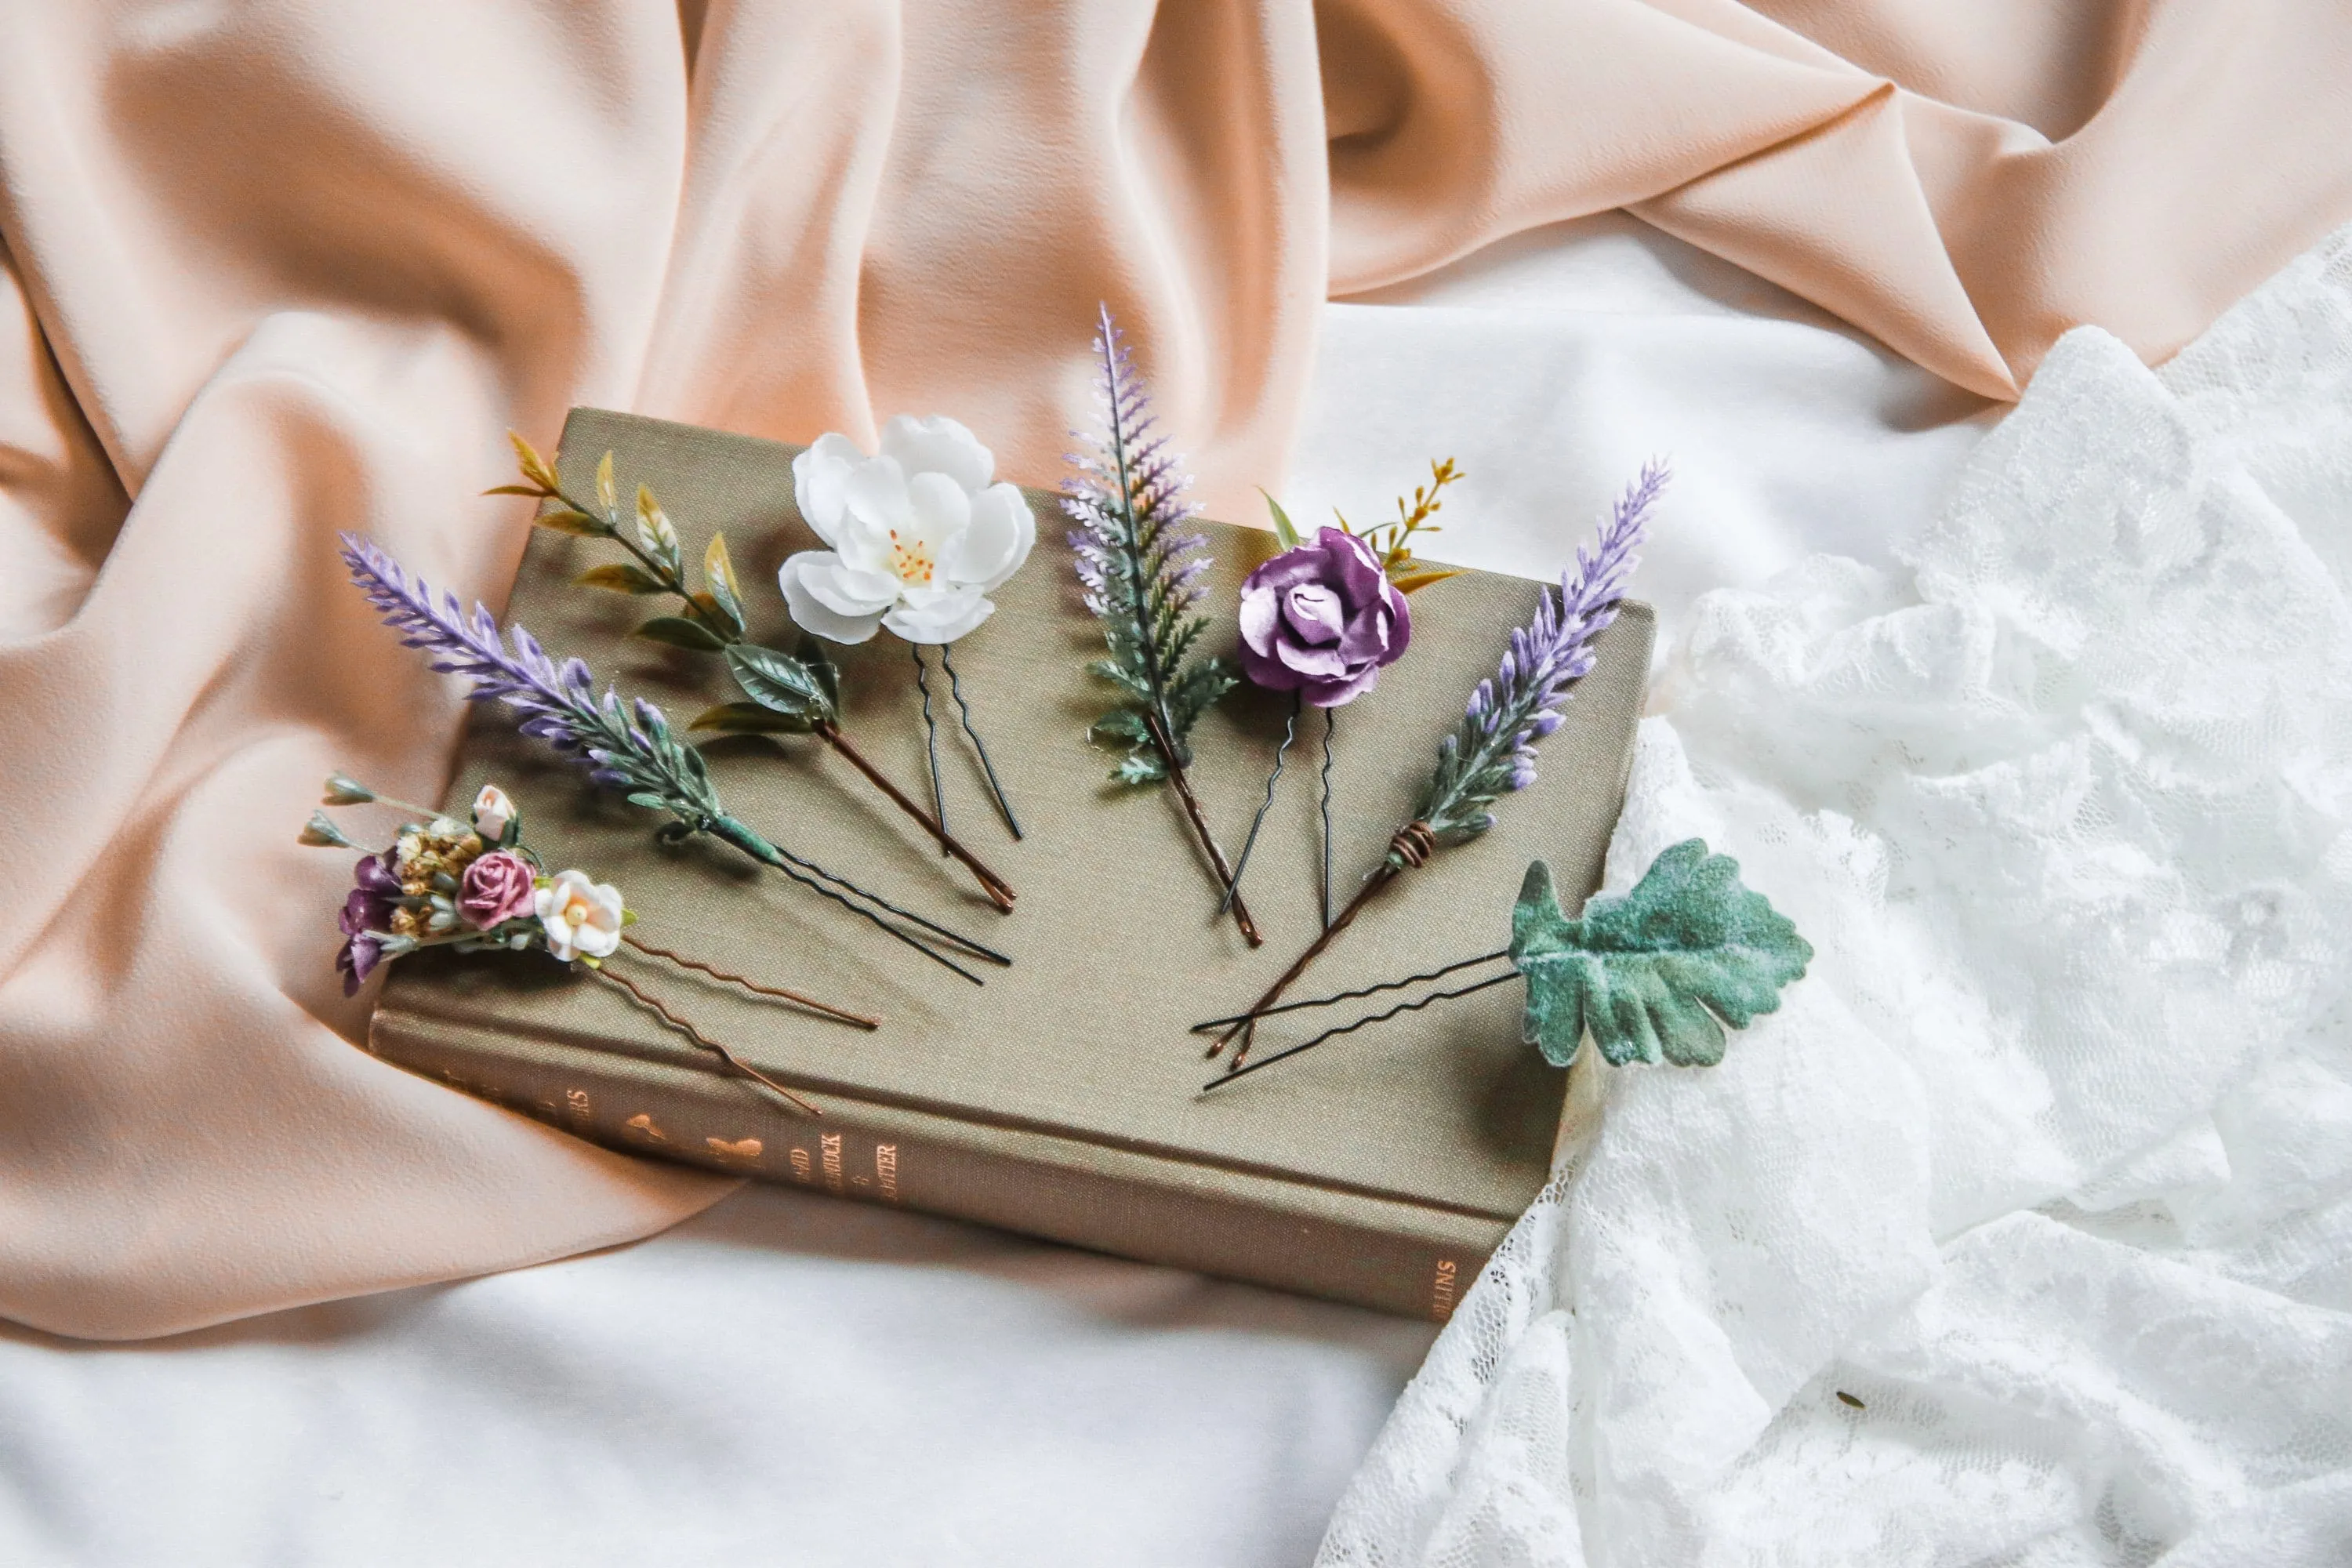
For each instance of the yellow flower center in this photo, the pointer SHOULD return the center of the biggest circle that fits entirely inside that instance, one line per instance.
(912, 561)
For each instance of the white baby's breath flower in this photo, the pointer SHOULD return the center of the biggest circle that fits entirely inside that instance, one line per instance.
(919, 536)
(492, 812)
(582, 918)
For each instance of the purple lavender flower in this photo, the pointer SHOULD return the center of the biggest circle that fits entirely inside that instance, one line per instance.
(629, 750)
(1140, 568)
(1493, 751)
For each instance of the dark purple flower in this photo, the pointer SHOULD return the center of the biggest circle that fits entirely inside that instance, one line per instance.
(1322, 619)
(497, 887)
(367, 912)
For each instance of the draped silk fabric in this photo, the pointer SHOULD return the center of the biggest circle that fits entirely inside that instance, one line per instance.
(279, 270)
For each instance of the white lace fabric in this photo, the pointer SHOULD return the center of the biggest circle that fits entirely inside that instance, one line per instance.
(2022, 1232)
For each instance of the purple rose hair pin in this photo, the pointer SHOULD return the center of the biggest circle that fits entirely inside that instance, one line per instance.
(629, 748)
(1493, 751)
(788, 693)
(1140, 568)
(1322, 619)
(481, 888)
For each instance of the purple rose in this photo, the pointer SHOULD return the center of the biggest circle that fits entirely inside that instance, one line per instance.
(497, 887)
(1321, 619)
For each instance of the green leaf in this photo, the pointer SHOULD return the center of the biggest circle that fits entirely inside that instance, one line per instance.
(655, 531)
(607, 496)
(563, 520)
(679, 632)
(780, 683)
(1140, 767)
(620, 579)
(1284, 529)
(719, 578)
(1658, 972)
(718, 616)
(749, 718)
(1120, 727)
(820, 664)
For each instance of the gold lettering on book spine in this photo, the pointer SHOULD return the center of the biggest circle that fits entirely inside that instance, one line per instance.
(885, 1170)
(831, 1143)
(803, 1168)
(575, 1100)
(741, 1151)
(1441, 1289)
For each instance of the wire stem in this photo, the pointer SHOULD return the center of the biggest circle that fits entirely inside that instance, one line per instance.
(1200, 830)
(930, 741)
(955, 687)
(798, 999)
(1206, 1025)
(767, 854)
(999, 891)
(1247, 1024)
(654, 1007)
(1284, 1055)
(1331, 724)
(1240, 866)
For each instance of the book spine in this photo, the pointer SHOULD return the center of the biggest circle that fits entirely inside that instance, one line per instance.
(725, 1124)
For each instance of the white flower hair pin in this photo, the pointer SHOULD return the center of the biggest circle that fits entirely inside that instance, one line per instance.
(481, 888)
(786, 693)
(919, 535)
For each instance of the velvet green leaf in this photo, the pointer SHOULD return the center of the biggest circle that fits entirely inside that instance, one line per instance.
(1657, 973)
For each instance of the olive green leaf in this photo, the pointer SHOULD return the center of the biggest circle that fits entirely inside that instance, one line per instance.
(1658, 972)
(725, 594)
(654, 532)
(751, 718)
(679, 632)
(607, 494)
(1284, 531)
(565, 520)
(1416, 576)
(782, 684)
(620, 580)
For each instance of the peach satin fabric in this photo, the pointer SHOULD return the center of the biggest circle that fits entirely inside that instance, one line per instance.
(279, 270)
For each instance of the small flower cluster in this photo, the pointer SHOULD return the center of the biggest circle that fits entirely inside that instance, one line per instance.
(443, 883)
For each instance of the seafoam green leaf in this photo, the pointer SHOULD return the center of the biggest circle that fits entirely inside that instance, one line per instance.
(1654, 975)
(1140, 767)
(679, 632)
(620, 579)
(1120, 727)
(780, 683)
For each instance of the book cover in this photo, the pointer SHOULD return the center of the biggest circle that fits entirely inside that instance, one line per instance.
(1062, 1098)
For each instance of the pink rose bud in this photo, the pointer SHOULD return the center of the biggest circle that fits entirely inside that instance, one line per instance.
(499, 887)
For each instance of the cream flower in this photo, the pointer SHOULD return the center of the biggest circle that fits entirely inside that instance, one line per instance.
(920, 537)
(492, 812)
(582, 918)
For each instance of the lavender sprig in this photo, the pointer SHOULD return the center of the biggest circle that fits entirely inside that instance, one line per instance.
(1493, 752)
(629, 748)
(1141, 570)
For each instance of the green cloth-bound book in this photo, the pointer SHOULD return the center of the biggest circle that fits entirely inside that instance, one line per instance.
(1062, 1098)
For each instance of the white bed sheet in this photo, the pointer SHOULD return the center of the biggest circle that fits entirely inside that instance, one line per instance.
(790, 1379)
